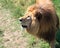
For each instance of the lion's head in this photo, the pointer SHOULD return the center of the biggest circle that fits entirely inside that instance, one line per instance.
(30, 20)
(38, 20)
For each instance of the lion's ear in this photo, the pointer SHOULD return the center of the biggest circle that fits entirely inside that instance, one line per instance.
(38, 15)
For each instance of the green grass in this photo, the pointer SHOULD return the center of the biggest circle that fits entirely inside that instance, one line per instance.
(1, 39)
(57, 6)
(16, 8)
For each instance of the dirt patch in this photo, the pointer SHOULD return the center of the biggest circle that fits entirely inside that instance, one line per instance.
(12, 34)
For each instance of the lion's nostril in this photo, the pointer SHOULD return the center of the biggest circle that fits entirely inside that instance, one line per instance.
(21, 19)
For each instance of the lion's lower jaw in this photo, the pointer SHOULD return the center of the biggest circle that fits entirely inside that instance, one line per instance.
(32, 32)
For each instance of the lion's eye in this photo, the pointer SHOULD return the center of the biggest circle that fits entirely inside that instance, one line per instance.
(28, 17)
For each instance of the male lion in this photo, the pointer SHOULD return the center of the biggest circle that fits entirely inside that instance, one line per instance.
(41, 21)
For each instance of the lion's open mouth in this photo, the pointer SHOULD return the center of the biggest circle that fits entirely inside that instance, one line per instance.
(24, 26)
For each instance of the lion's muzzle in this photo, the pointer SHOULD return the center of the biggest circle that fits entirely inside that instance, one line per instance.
(25, 22)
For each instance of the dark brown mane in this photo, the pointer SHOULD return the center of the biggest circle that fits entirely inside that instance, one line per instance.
(47, 28)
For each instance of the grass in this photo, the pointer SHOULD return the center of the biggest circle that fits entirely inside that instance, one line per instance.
(57, 6)
(1, 39)
(18, 8)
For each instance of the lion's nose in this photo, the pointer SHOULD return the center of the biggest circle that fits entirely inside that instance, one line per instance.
(20, 20)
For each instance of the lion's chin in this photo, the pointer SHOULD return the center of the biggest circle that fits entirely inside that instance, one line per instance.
(24, 26)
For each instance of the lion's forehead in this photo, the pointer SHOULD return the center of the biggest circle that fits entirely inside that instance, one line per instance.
(31, 8)
(30, 13)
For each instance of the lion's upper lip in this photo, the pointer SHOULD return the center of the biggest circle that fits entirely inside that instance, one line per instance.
(24, 26)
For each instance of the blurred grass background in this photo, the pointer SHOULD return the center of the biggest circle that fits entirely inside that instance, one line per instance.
(18, 8)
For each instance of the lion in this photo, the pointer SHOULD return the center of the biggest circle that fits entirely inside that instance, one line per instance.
(41, 21)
